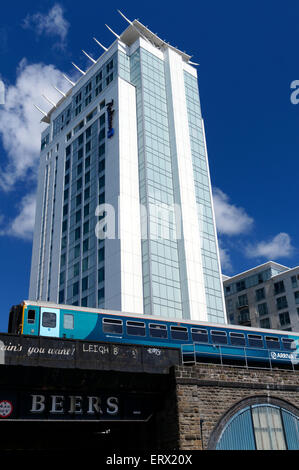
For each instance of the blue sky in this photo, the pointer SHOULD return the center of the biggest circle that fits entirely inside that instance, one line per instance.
(248, 55)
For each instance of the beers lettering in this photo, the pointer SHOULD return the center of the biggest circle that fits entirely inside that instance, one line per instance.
(75, 405)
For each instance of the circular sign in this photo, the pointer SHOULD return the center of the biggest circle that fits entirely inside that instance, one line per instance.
(6, 408)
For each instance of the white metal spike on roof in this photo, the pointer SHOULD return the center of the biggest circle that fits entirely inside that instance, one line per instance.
(98, 42)
(49, 101)
(59, 91)
(76, 66)
(116, 35)
(40, 110)
(89, 57)
(69, 80)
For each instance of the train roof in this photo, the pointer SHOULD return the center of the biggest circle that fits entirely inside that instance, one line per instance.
(156, 318)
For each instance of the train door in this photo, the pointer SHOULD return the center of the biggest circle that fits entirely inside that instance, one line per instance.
(31, 320)
(49, 322)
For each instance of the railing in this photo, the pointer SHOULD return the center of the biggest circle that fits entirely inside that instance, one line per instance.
(194, 352)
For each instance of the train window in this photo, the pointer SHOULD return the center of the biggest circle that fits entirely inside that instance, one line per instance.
(68, 321)
(49, 320)
(112, 326)
(237, 339)
(219, 337)
(135, 328)
(31, 316)
(157, 331)
(272, 342)
(199, 335)
(255, 341)
(288, 344)
(179, 332)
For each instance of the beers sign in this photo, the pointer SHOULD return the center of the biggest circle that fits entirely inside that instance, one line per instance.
(74, 407)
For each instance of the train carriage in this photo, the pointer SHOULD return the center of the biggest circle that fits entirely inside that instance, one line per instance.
(197, 340)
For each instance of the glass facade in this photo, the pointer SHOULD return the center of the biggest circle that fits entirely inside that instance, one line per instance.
(211, 268)
(160, 262)
(82, 271)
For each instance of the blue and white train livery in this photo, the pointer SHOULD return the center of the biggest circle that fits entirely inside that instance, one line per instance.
(197, 340)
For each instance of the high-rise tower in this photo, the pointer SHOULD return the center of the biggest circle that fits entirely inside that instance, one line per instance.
(124, 216)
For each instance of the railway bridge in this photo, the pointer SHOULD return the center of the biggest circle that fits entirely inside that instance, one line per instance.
(60, 394)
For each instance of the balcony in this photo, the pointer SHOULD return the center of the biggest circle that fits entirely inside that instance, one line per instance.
(244, 318)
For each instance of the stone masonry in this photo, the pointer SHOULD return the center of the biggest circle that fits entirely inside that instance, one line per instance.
(208, 395)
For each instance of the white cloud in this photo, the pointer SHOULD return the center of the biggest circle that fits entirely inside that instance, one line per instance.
(51, 24)
(23, 224)
(279, 246)
(20, 131)
(230, 219)
(20, 126)
(225, 260)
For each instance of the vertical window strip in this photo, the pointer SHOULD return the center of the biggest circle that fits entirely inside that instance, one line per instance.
(43, 228)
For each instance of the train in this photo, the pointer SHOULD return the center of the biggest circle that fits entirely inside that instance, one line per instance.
(197, 340)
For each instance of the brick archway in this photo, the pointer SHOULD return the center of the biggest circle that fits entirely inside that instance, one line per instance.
(208, 395)
(243, 405)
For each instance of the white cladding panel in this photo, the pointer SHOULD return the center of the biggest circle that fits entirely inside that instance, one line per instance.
(190, 244)
(123, 268)
(129, 205)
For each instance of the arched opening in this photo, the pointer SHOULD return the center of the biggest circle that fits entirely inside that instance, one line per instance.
(259, 423)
